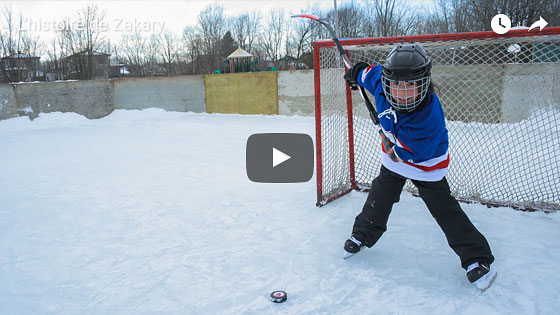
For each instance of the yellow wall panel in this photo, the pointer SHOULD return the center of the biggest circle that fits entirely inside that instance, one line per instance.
(242, 93)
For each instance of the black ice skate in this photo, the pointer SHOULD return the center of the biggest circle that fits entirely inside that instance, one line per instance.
(481, 274)
(351, 247)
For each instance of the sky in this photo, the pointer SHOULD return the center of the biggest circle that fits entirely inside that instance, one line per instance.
(150, 16)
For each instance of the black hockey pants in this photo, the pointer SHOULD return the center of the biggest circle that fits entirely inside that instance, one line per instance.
(462, 236)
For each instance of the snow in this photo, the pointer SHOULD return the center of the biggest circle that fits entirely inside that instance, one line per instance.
(27, 110)
(26, 82)
(146, 212)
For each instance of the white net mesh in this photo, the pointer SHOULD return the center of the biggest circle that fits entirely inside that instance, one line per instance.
(501, 98)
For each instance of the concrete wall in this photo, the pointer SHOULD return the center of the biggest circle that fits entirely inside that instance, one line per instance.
(296, 95)
(483, 93)
(93, 99)
(497, 93)
(179, 93)
(8, 104)
(470, 93)
(529, 87)
(242, 93)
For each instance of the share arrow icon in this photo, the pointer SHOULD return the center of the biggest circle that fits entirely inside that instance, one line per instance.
(541, 23)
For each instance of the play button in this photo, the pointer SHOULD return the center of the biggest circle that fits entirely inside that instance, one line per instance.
(279, 158)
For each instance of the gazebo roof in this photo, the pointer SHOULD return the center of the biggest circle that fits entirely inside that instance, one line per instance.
(239, 53)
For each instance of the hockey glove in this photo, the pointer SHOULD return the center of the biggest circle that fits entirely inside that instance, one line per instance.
(351, 75)
(389, 147)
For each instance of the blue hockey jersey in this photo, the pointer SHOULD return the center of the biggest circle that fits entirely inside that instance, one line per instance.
(420, 137)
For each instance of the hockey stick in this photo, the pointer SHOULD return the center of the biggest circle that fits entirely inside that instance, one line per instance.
(372, 111)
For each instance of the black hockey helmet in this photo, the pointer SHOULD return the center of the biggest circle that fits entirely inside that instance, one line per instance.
(409, 63)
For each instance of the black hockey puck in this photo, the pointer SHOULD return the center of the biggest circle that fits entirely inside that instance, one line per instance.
(278, 296)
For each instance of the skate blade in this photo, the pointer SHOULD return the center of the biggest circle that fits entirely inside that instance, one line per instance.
(486, 281)
(348, 255)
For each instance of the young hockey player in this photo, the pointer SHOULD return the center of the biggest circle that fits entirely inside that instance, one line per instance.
(414, 143)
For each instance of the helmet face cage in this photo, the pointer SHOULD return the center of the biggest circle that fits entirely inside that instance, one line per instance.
(404, 88)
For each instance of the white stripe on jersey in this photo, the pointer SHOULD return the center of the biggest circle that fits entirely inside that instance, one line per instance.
(412, 172)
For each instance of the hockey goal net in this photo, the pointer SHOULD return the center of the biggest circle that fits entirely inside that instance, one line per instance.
(501, 97)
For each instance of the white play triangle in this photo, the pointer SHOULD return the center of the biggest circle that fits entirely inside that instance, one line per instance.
(278, 157)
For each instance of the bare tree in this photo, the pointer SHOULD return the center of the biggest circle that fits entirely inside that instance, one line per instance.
(438, 20)
(53, 62)
(245, 29)
(351, 20)
(239, 26)
(552, 12)
(451, 16)
(253, 29)
(167, 46)
(273, 37)
(521, 12)
(14, 36)
(14, 39)
(304, 31)
(390, 18)
(66, 39)
(89, 35)
(289, 47)
(83, 35)
(211, 27)
(31, 44)
(448, 16)
(8, 32)
(152, 57)
(133, 48)
(192, 45)
(482, 11)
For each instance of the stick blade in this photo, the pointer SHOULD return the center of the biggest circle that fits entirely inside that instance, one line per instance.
(308, 16)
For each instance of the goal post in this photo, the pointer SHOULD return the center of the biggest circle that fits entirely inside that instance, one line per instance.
(501, 98)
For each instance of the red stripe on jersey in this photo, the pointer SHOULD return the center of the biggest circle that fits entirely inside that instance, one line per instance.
(404, 146)
(440, 165)
(367, 69)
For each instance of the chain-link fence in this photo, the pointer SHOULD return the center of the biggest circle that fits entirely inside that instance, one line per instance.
(501, 97)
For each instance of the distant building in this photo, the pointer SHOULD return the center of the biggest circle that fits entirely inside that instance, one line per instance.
(86, 66)
(21, 67)
(117, 70)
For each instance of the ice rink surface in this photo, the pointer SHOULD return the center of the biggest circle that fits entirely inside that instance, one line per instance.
(151, 212)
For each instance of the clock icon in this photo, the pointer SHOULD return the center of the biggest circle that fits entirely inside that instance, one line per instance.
(500, 24)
